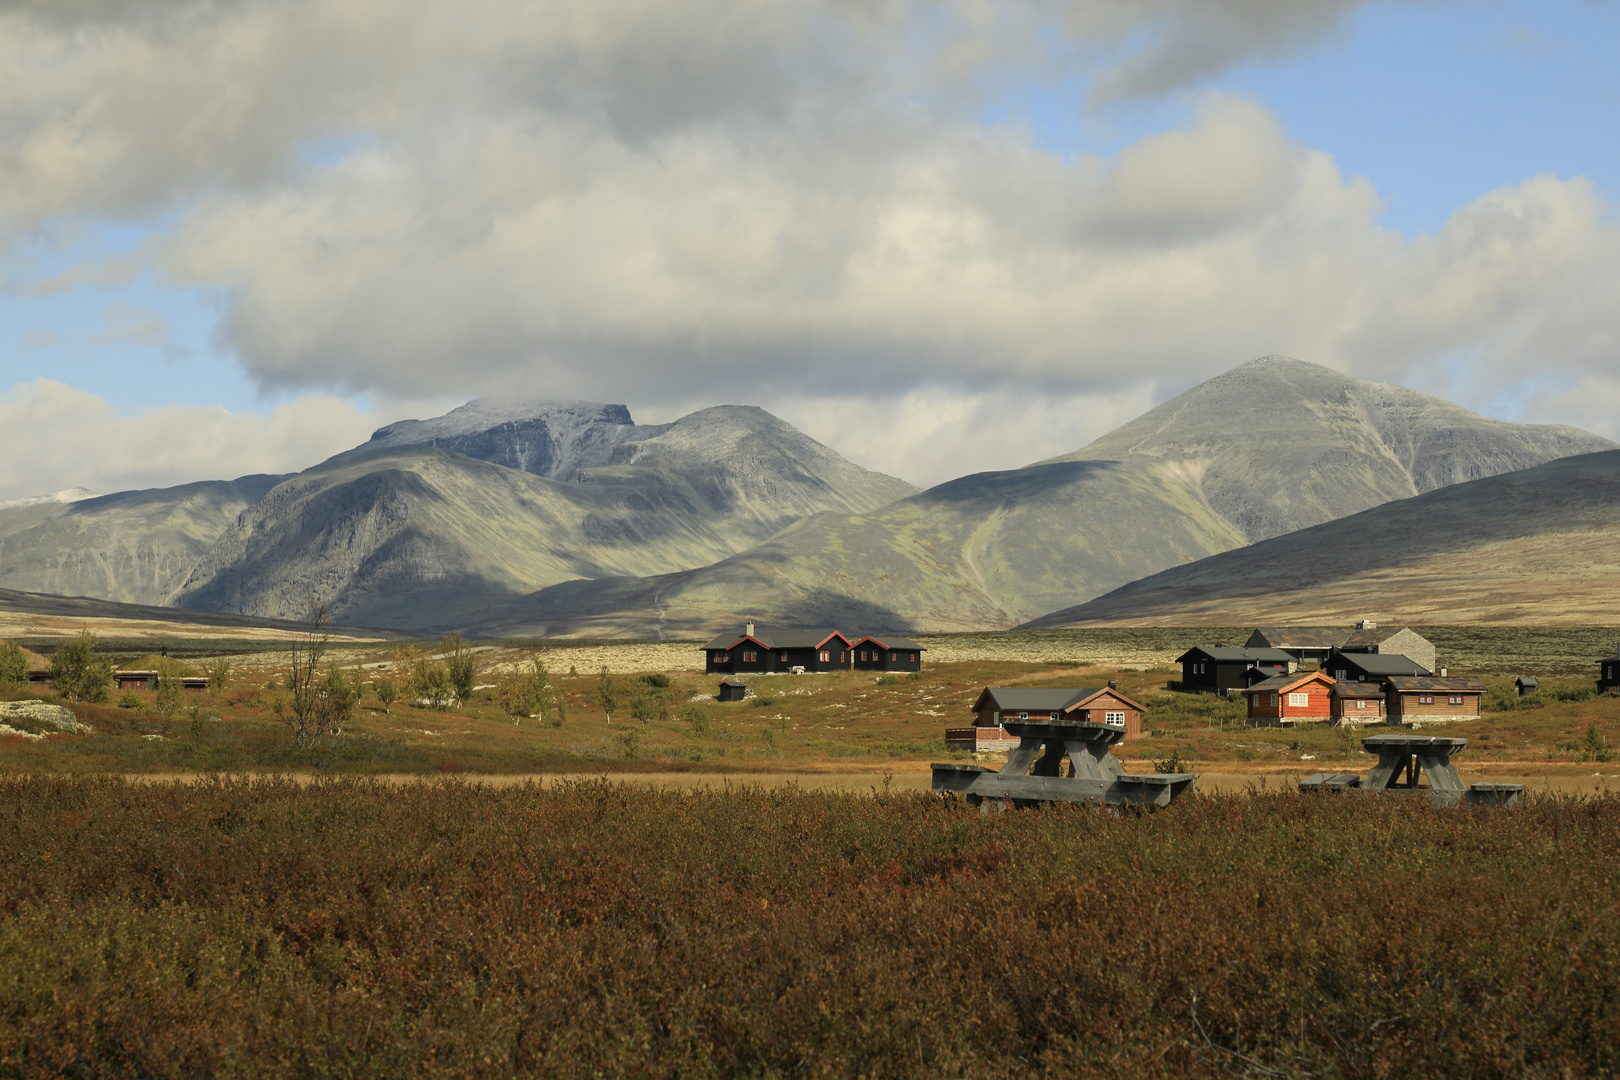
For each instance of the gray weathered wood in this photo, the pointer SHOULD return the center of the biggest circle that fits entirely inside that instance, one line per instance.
(1034, 771)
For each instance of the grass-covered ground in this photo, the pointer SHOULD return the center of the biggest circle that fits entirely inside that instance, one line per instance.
(356, 928)
(841, 722)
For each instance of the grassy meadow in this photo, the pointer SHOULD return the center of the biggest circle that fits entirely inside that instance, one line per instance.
(353, 927)
(434, 891)
(665, 720)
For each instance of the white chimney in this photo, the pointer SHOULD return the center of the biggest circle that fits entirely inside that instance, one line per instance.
(1366, 624)
(749, 629)
(1442, 673)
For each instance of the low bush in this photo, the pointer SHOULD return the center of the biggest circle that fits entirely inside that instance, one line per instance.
(271, 928)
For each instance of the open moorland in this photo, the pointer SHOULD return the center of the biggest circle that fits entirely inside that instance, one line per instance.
(356, 928)
(664, 722)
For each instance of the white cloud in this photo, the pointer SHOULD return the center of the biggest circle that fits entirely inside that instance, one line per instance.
(82, 441)
(636, 201)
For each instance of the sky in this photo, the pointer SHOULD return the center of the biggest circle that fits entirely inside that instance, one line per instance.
(237, 236)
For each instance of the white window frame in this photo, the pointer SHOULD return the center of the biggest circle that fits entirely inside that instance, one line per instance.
(1114, 719)
(1299, 701)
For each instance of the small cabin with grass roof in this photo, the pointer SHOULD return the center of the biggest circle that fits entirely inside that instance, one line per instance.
(1285, 700)
(143, 674)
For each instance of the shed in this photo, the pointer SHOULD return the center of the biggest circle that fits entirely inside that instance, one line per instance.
(1526, 684)
(732, 690)
(1609, 679)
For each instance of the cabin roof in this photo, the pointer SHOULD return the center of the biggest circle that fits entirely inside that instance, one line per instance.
(1303, 637)
(1385, 664)
(1221, 652)
(1363, 638)
(775, 639)
(1455, 684)
(888, 642)
(1033, 698)
(1346, 688)
(1280, 683)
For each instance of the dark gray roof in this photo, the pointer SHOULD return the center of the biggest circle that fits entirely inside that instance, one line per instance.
(1220, 652)
(1036, 698)
(1300, 637)
(888, 641)
(1385, 664)
(771, 639)
(1348, 689)
(1454, 684)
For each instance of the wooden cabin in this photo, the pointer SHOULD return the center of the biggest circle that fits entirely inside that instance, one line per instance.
(887, 653)
(731, 690)
(749, 650)
(1371, 667)
(1284, 700)
(1432, 699)
(1526, 685)
(1216, 668)
(1059, 704)
(998, 703)
(1357, 702)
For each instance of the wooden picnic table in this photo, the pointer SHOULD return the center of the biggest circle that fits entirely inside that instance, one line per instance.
(1403, 762)
(1060, 762)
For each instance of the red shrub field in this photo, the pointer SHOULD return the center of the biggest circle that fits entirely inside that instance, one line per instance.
(355, 927)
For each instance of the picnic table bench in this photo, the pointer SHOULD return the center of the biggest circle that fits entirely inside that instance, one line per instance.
(1403, 760)
(1035, 770)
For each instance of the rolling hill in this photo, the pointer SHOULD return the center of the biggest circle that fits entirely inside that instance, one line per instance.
(1530, 547)
(134, 547)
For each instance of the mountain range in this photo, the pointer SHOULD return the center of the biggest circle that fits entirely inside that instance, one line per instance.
(548, 517)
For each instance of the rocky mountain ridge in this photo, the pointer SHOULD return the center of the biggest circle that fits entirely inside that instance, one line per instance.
(1270, 447)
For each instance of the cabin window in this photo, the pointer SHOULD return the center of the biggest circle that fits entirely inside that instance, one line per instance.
(1425, 699)
(893, 657)
(826, 656)
(1341, 673)
(1361, 703)
(722, 658)
(750, 657)
(913, 658)
(1115, 718)
(1023, 716)
(1299, 699)
(784, 657)
(1273, 701)
(1454, 699)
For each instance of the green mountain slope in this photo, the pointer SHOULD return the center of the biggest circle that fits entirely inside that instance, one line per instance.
(420, 536)
(134, 547)
(1269, 447)
(1529, 547)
